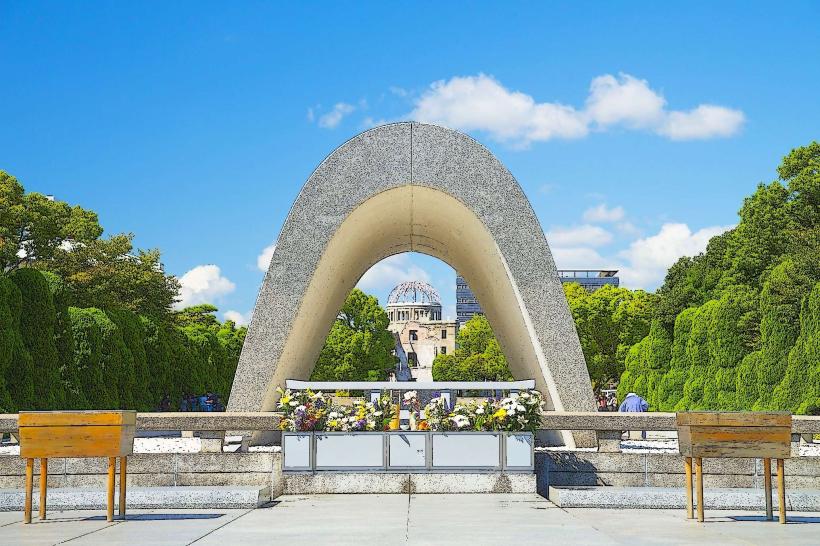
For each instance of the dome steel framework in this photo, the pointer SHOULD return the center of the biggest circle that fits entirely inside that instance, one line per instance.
(414, 292)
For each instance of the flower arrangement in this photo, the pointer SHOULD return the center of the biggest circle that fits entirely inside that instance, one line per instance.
(309, 411)
(518, 412)
(306, 411)
(303, 410)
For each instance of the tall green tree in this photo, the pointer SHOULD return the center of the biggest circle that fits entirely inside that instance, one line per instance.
(51, 235)
(359, 346)
(478, 356)
(609, 321)
(33, 228)
(742, 311)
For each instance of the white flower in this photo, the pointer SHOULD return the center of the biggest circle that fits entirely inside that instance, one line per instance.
(294, 403)
(301, 408)
(519, 408)
(479, 410)
(460, 421)
(525, 395)
(409, 395)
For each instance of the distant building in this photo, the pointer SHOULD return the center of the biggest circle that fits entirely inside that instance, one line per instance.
(466, 304)
(414, 310)
(592, 279)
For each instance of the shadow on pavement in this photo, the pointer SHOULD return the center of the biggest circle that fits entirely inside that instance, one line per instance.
(789, 519)
(157, 517)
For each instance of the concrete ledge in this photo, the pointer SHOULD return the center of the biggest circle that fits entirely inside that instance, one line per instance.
(392, 482)
(149, 497)
(670, 497)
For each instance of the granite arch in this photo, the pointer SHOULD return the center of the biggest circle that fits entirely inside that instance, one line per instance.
(412, 187)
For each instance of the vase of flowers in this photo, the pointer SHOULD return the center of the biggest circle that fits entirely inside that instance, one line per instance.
(412, 404)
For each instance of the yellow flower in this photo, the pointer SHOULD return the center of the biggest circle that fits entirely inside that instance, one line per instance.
(500, 414)
(285, 399)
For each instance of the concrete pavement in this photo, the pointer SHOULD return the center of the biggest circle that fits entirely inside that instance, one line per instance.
(409, 519)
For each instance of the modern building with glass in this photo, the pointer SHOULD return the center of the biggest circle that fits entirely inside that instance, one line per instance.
(467, 305)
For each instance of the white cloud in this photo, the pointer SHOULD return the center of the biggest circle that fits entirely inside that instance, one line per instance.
(263, 260)
(627, 100)
(546, 189)
(335, 116)
(203, 284)
(482, 103)
(584, 235)
(391, 271)
(579, 258)
(240, 319)
(649, 258)
(705, 121)
(602, 213)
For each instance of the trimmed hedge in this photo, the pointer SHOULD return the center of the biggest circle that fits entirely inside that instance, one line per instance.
(57, 357)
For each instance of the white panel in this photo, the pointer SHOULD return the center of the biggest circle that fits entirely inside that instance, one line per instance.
(407, 450)
(297, 451)
(349, 450)
(519, 450)
(466, 450)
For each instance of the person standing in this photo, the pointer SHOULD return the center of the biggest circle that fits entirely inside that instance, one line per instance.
(633, 403)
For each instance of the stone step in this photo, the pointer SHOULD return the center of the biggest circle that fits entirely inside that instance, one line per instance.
(306, 483)
(797, 500)
(142, 497)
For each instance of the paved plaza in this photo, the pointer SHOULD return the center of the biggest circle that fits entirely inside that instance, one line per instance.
(413, 519)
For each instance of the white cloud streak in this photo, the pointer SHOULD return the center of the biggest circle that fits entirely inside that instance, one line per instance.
(584, 235)
(482, 103)
(602, 213)
(389, 272)
(332, 119)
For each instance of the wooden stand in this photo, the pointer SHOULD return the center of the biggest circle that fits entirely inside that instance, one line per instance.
(76, 434)
(740, 435)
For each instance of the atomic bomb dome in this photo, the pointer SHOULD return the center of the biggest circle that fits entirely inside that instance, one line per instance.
(414, 310)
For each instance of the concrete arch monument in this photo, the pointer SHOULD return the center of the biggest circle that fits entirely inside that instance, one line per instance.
(412, 187)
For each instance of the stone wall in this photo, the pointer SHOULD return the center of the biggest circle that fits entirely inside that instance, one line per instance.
(553, 468)
(589, 468)
(155, 469)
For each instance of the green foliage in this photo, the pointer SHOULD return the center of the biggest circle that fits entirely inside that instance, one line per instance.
(50, 235)
(478, 355)
(38, 226)
(359, 347)
(16, 365)
(609, 321)
(38, 318)
(745, 311)
(109, 273)
(645, 364)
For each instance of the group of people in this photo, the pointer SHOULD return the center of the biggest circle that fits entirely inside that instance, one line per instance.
(608, 401)
(190, 402)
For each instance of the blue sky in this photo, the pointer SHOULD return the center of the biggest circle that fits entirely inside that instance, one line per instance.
(635, 128)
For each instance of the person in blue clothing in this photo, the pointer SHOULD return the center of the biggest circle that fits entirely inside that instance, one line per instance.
(633, 402)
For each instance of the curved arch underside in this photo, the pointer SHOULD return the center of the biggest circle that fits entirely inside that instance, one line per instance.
(412, 187)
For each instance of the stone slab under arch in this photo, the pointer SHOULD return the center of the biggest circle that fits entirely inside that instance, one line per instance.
(423, 188)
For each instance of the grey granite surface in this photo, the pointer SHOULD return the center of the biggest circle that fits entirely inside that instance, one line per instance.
(525, 303)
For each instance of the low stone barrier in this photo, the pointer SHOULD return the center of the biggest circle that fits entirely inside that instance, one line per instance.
(262, 469)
